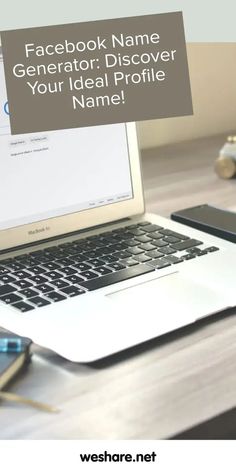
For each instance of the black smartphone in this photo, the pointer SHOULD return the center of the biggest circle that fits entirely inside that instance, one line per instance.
(218, 222)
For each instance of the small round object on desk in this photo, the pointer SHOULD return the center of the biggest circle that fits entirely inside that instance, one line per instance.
(225, 167)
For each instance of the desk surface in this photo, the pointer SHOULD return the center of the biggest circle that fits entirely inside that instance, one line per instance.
(158, 389)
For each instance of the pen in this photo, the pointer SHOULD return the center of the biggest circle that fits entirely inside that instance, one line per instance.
(12, 397)
(11, 345)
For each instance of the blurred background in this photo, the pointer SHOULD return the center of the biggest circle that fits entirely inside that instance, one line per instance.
(212, 68)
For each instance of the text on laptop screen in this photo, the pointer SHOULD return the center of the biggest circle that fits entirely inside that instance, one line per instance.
(45, 175)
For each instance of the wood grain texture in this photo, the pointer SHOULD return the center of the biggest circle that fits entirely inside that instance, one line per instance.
(164, 386)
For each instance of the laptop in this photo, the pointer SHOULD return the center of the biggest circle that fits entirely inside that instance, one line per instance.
(84, 271)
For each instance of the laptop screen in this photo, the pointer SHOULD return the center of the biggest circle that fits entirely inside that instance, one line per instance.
(51, 174)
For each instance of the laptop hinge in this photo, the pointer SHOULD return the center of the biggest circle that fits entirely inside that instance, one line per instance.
(62, 236)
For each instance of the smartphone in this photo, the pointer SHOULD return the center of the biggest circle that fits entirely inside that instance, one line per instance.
(218, 222)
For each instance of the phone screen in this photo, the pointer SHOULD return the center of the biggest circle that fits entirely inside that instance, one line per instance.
(211, 216)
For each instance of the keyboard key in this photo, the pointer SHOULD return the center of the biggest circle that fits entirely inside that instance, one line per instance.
(44, 288)
(63, 253)
(116, 266)
(118, 247)
(96, 263)
(143, 239)
(58, 284)
(109, 259)
(4, 270)
(7, 279)
(137, 232)
(38, 279)
(105, 250)
(10, 298)
(4, 262)
(130, 242)
(186, 244)
(68, 271)
(147, 247)
(39, 302)
(51, 266)
(131, 226)
(120, 230)
(135, 250)
(187, 257)
(116, 277)
(66, 261)
(151, 228)
(74, 279)
(100, 242)
(212, 249)
(144, 223)
(23, 307)
(122, 254)
(15, 266)
(202, 253)
(30, 263)
(171, 239)
(112, 240)
(76, 259)
(55, 296)
(72, 291)
(172, 259)
(21, 257)
(82, 266)
(89, 274)
(193, 250)
(54, 250)
(28, 292)
(103, 270)
(42, 259)
(123, 236)
(166, 250)
(26, 261)
(169, 232)
(160, 243)
(130, 261)
(66, 245)
(38, 252)
(53, 275)
(142, 258)
(22, 274)
(23, 283)
(90, 254)
(154, 254)
(5, 289)
(98, 253)
(70, 250)
(159, 263)
(156, 235)
(36, 270)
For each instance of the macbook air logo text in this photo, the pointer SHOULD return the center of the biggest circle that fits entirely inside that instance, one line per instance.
(32, 232)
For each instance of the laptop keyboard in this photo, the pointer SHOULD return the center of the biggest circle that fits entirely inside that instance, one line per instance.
(70, 269)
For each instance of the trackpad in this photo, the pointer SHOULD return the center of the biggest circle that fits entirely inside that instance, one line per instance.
(173, 294)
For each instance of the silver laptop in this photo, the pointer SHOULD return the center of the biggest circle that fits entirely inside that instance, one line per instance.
(83, 270)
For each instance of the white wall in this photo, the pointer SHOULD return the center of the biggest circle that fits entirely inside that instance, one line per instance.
(212, 68)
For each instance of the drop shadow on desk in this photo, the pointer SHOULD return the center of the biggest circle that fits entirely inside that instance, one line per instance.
(152, 344)
(222, 426)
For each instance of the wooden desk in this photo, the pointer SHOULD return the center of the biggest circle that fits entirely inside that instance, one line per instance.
(158, 389)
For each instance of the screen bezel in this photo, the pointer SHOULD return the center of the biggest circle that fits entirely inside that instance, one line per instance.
(70, 223)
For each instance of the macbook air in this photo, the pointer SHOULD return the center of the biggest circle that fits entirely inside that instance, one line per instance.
(84, 271)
